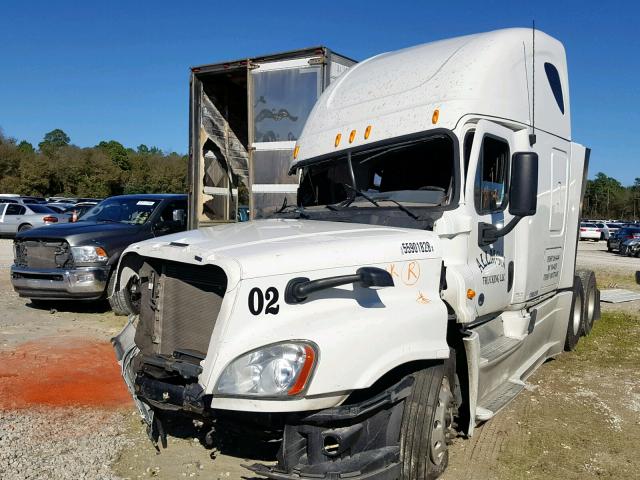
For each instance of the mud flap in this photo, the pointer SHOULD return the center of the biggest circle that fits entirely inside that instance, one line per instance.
(359, 441)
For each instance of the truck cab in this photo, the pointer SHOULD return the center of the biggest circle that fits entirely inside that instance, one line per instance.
(426, 269)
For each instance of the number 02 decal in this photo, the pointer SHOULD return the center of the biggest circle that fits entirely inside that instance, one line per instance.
(257, 301)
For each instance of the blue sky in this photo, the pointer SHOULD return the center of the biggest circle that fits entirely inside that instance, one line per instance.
(119, 70)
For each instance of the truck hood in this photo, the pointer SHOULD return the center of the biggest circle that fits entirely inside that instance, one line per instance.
(81, 233)
(284, 246)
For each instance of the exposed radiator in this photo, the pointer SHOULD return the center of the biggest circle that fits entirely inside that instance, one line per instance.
(179, 306)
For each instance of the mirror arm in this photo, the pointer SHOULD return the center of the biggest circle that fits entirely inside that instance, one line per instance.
(298, 289)
(488, 233)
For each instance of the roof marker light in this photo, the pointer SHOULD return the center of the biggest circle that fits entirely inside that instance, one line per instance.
(352, 136)
(435, 116)
(367, 132)
(338, 138)
(296, 151)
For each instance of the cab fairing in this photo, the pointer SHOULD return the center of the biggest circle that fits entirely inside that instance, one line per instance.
(487, 74)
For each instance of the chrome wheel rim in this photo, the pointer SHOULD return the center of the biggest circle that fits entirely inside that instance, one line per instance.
(441, 424)
(591, 304)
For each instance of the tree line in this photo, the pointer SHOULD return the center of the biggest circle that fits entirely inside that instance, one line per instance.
(59, 168)
(606, 198)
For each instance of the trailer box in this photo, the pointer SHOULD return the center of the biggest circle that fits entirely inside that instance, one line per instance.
(245, 117)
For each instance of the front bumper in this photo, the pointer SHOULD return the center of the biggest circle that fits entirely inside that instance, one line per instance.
(356, 442)
(87, 283)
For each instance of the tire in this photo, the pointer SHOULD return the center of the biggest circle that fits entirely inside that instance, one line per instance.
(426, 420)
(25, 227)
(609, 249)
(575, 327)
(123, 302)
(589, 306)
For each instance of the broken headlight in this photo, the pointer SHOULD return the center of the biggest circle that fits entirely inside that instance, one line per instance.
(89, 255)
(279, 370)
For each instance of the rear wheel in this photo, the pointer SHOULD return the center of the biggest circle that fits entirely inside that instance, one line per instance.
(25, 227)
(574, 328)
(588, 279)
(426, 422)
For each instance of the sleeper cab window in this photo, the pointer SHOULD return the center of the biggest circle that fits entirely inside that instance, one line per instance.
(554, 82)
(491, 176)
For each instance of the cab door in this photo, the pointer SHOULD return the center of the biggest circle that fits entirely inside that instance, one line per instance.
(487, 198)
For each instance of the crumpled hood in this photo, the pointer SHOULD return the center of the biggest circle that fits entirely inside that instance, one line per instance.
(284, 246)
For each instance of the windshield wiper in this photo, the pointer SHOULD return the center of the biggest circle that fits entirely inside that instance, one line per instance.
(291, 208)
(357, 193)
(370, 199)
(403, 208)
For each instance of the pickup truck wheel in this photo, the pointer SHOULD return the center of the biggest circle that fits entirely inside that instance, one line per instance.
(426, 422)
(575, 326)
(588, 279)
(25, 227)
(127, 300)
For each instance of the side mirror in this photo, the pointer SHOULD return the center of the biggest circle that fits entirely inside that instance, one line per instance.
(178, 215)
(523, 196)
(523, 189)
(162, 228)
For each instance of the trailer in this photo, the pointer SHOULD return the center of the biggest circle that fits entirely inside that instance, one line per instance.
(245, 117)
(424, 272)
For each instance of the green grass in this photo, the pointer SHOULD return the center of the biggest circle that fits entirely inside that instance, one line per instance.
(606, 279)
(614, 341)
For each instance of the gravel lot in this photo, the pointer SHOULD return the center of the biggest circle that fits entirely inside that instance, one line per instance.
(71, 417)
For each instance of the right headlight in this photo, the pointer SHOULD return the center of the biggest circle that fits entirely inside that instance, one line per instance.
(278, 370)
(89, 254)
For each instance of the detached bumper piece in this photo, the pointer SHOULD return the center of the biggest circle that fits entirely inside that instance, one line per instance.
(357, 442)
(170, 383)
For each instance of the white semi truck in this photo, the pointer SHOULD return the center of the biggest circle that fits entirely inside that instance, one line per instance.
(426, 269)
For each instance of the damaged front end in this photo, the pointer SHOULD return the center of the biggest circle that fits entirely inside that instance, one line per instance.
(356, 441)
(161, 350)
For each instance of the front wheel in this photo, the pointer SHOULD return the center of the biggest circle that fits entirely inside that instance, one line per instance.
(426, 422)
(125, 301)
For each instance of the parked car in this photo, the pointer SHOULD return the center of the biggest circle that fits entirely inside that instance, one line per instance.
(589, 231)
(604, 230)
(613, 227)
(15, 217)
(76, 260)
(626, 233)
(631, 248)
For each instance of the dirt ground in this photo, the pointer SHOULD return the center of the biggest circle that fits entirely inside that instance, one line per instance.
(64, 412)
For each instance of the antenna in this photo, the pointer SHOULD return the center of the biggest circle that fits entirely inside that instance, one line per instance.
(532, 135)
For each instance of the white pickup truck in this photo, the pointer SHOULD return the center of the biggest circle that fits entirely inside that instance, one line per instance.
(426, 270)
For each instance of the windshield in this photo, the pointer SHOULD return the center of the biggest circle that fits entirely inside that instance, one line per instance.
(122, 210)
(419, 172)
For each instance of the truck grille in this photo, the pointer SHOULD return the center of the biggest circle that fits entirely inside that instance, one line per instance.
(42, 253)
(178, 307)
